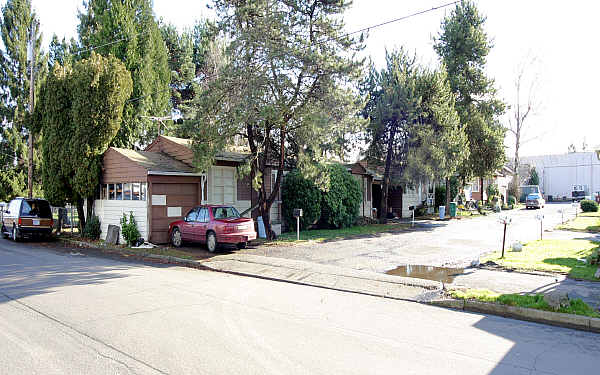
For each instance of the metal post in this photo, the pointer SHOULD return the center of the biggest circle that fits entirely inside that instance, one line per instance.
(541, 229)
(503, 240)
(71, 220)
(298, 228)
(413, 218)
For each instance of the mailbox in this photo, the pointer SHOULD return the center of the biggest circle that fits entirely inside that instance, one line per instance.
(297, 212)
(411, 208)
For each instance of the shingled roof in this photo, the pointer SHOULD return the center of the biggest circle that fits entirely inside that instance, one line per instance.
(228, 155)
(155, 161)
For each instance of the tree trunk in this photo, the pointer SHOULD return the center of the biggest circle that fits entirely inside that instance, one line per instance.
(385, 185)
(90, 208)
(447, 196)
(517, 162)
(481, 188)
(81, 214)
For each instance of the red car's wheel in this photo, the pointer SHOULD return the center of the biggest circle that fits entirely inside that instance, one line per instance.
(211, 242)
(176, 237)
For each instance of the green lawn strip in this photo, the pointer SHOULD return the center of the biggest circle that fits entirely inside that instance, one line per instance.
(561, 256)
(576, 306)
(320, 235)
(584, 222)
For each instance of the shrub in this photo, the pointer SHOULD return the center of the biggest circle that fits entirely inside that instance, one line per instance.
(299, 192)
(341, 202)
(92, 228)
(589, 206)
(129, 229)
(512, 200)
(492, 192)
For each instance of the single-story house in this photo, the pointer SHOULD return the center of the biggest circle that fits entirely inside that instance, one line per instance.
(159, 185)
(501, 178)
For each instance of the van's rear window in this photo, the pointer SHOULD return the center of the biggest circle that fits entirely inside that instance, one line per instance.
(36, 208)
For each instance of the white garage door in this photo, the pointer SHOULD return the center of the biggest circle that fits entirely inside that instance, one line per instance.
(223, 186)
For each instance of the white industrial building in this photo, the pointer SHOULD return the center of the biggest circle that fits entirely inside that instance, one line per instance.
(558, 173)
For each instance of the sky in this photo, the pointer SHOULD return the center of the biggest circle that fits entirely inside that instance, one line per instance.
(561, 38)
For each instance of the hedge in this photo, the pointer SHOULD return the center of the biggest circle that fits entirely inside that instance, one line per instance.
(341, 202)
(298, 192)
(589, 206)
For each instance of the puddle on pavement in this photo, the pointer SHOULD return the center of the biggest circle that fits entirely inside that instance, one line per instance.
(443, 274)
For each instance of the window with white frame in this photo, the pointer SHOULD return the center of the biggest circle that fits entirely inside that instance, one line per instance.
(124, 191)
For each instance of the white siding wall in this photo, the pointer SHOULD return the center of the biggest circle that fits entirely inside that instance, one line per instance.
(243, 206)
(558, 173)
(111, 212)
(410, 198)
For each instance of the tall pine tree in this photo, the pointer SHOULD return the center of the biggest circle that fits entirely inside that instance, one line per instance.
(19, 24)
(463, 47)
(129, 31)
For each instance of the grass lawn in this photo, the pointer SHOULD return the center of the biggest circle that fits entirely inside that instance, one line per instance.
(577, 306)
(584, 222)
(321, 235)
(550, 255)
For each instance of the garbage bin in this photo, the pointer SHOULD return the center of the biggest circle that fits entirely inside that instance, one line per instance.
(442, 212)
(452, 209)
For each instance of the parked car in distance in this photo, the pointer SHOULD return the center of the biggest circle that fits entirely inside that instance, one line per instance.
(213, 225)
(580, 192)
(535, 200)
(27, 218)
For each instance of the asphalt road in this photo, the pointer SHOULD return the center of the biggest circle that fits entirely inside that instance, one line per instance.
(456, 243)
(64, 313)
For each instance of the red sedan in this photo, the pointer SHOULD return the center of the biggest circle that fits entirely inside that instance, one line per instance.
(213, 224)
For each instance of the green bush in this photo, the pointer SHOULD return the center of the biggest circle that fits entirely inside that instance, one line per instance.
(589, 206)
(341, 202)
(492, 192)
(512, 200)
(92, 228)
(299, 192)
(440, 196)
(129, 229)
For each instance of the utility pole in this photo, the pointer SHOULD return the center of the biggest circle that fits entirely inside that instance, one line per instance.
(31, 85)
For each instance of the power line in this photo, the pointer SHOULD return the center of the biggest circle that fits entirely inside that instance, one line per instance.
(334, 38)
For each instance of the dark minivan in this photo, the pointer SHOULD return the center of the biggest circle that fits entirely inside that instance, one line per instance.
(25, 217)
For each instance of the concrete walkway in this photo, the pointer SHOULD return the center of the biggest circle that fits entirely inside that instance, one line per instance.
(327, 276)
(515, 282)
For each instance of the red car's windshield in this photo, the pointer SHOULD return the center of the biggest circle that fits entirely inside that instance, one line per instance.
(225, 213)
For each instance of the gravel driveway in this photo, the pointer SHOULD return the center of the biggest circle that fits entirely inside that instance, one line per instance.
(448, 243)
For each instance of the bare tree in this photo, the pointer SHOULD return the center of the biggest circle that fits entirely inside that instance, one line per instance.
(525, 105)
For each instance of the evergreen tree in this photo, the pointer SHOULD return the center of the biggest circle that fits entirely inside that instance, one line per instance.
(463, 46)
(129, 31)
(19, 25)
(86, 102)
(285, 60)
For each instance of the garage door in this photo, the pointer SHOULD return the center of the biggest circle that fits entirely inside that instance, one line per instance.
(170, 202)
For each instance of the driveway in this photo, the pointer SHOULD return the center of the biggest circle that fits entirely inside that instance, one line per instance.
(457, 243)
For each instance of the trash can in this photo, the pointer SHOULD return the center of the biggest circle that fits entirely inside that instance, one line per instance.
(452, 209)
(442, 212)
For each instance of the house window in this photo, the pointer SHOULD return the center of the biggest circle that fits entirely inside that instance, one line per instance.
(119, 192)
(135, 191)
(475, 188)
(127, 192)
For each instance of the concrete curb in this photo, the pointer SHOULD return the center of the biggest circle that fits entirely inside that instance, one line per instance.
(579, 322)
